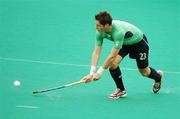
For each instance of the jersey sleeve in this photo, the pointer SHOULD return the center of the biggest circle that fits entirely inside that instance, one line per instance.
(99, 39)
(118, 40)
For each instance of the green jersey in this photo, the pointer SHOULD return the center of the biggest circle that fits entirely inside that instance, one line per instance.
(122, 33)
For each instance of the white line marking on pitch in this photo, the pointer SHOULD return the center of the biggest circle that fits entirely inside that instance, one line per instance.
(69, 64)
(27, 106)
(42, 62)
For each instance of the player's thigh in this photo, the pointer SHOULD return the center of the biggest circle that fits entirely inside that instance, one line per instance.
(122, 53)
(118, 59)
(140, 52)
(114, 64)
(142, 60)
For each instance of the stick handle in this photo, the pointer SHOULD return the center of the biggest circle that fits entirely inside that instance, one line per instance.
(74, 83)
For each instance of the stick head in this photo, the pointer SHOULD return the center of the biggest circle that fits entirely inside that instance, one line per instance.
(34, 92)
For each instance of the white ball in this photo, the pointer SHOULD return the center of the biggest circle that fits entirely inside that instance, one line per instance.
(17, 83)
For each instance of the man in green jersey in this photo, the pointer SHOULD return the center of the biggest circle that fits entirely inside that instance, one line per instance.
(128, 40)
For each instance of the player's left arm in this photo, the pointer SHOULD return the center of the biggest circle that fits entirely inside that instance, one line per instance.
(114, 52)
(118, 41)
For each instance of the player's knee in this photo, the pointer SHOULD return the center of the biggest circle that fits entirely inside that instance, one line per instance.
(114, 65)
(144, 72)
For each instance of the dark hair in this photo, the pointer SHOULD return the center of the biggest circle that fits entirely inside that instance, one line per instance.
(104, 18)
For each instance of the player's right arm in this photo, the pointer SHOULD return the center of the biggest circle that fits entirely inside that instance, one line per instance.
(94, 61)
(95, 57)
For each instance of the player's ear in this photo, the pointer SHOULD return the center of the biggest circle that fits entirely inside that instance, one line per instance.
(106, 25)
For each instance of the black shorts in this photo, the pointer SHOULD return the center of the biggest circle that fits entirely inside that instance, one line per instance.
(138, 51)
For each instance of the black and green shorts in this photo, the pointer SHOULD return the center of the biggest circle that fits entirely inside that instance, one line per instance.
(138, 51)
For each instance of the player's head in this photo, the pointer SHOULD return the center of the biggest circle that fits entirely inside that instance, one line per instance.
(103, 21)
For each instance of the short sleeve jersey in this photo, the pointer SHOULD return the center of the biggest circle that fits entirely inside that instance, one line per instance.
(122, 33)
